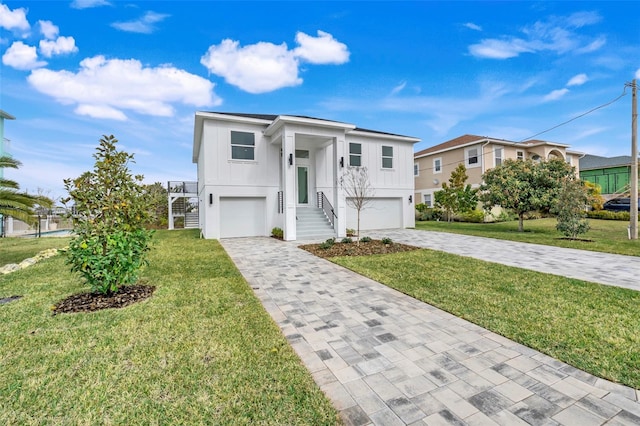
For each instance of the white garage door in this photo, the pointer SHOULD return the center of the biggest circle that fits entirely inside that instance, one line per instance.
(380, 213)
(242, 217)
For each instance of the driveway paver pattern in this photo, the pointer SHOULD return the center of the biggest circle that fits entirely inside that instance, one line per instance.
(384, 358)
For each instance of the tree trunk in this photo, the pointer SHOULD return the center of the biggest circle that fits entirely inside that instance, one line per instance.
(521, 222)
(358, 230)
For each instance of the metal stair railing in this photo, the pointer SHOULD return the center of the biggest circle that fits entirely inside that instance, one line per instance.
(325, 205)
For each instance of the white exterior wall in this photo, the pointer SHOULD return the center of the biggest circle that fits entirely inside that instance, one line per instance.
(396, 183)
(235, 178)
(221, 178)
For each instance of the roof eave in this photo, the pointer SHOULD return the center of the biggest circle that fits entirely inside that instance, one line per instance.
(281, 120)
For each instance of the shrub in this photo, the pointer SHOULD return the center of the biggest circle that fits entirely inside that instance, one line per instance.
(277, 233)
(351, 232)
(421, 207)
(111, 212)
(328, 244)
(365, 239)
(506, 215)
(346, 240)
(608, 215)
(474, 216)
(431, 214)
(387, 240)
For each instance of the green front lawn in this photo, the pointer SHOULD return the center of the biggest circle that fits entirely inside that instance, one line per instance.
(590, 326)
(15, 250)
(201, 350)
(609, 236)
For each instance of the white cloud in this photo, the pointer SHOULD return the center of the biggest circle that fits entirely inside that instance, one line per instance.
(472, 26)
(144, 25)
(85, 4)
(578, 80)
(21, 56)
(257, 68)
(398, 88)
(557, 34)
(13, 19)
(107, 88)
(48, 29)
(101, 111)
(582, 19)
(323, 49)
(638, 73)
(265, 67)
(555, 95)
(60, 46)
(499, 49)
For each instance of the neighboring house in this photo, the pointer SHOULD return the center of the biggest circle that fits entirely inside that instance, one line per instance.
(433, 166)
(257, 172)
(611, 173)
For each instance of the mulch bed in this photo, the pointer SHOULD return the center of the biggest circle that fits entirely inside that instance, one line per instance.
(90, 302)
(354, 249)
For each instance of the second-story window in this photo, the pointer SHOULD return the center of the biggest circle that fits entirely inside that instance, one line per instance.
(498, 156)
(473, 158)
(355, 154)
(437, 165)
(242, 145)
(387, 157)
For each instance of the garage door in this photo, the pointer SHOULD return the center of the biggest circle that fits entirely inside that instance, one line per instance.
(380, 213)
(242, 217)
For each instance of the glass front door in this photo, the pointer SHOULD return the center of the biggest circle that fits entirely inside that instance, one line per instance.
(302, 181)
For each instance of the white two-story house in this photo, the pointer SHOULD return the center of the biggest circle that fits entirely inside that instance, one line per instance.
(257, 172)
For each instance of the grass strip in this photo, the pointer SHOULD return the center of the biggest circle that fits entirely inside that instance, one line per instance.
(590, 326)
(202, 350)
(17, 249)
(608, 236)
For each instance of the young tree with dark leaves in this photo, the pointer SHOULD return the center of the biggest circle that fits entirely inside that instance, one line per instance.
(456, 196)
(110, 214)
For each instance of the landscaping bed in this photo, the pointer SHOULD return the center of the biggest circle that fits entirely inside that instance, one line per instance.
(355, 249)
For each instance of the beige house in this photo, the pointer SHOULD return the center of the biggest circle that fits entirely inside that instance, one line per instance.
(433, 166)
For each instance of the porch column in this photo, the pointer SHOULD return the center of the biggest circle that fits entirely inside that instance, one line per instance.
(340, 151)
(289, 184)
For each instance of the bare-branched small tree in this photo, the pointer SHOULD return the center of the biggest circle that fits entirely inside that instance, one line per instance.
(357, 190)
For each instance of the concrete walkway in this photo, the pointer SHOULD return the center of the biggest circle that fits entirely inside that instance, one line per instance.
(385, 358)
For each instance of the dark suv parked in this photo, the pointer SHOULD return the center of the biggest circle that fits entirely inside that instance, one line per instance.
(619, 205)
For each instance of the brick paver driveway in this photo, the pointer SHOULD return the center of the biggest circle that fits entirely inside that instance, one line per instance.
(385, 358)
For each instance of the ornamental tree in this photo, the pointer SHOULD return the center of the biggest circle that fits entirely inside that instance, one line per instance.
(110, 211)
(358, 191)
(456, 197)
(571, 208)
(524, 185)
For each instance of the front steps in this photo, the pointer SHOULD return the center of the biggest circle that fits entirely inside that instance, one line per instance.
(312, 224)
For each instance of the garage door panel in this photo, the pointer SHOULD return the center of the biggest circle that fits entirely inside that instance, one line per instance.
(242, 217)
(380, 213)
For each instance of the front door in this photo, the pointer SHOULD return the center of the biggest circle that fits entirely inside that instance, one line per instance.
(302, 184)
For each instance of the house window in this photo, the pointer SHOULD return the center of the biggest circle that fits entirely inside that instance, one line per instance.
(437, 165)
(387, 157)
(427, 200)
(472, 157)
(355, 154)
(568, 159)
(520, 155)
(416, 169)
(242, 145)
(498, 156)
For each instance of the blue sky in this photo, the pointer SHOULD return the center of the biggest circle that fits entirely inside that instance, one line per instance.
(75, 70)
